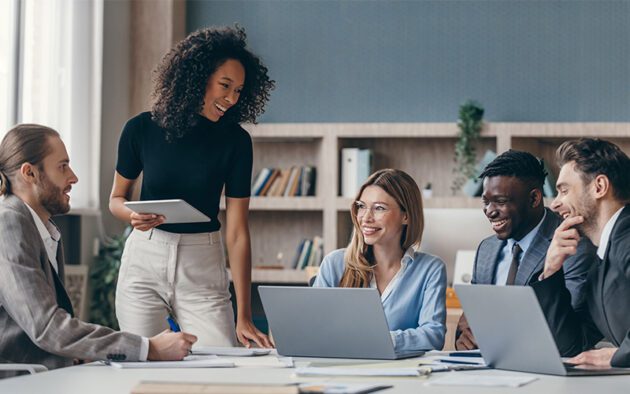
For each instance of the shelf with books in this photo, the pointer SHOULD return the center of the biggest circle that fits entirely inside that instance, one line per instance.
(294, 181)
(427, 160)
(275, 235)
(286, 168)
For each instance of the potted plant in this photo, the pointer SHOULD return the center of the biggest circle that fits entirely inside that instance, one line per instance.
(103, 278)
(469, 124)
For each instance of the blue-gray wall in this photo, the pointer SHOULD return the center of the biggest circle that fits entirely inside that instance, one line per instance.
(407, 61)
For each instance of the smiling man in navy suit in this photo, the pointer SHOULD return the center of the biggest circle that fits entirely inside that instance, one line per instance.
(593, 198)
(513, 203)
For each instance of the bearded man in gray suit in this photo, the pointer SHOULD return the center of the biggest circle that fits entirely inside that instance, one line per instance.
(513, 203)
(36, 316)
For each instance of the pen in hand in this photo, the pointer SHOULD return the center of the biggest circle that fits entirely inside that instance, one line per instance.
(175, 327)
(172, 323)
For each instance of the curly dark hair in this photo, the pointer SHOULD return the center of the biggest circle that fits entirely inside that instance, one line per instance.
(518, 164)
(182, 75)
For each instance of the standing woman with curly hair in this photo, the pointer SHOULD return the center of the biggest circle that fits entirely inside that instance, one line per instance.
(191, 147)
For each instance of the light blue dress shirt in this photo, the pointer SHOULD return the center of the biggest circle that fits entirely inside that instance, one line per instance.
(505, 256)
(414, 301)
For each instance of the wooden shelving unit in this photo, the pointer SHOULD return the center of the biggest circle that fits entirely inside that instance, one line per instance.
(282, 276)
(424, 150)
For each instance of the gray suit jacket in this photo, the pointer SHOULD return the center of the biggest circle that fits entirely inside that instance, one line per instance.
(36, 322)
(576, 267)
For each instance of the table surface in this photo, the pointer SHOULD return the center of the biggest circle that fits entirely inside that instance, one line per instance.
(101, 379)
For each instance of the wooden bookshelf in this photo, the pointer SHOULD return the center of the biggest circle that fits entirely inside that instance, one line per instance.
(280, 276)
(424, 150)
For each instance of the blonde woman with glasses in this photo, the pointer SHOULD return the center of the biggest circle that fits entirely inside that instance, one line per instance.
(383, 254)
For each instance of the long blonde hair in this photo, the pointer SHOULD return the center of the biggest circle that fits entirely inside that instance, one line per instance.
(359, 257)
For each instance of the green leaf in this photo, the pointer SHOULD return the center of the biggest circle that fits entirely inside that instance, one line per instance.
(103, 279)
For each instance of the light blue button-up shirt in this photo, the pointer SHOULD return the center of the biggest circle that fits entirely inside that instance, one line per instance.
(414, 302)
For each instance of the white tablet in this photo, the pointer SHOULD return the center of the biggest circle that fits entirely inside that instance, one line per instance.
(175, 211)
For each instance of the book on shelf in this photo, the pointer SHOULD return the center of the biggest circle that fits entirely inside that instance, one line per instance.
(304, 254)
(274, 175)
(474, 186)
(295, 186)
(280, 183)
(315, 257)
(290, 182)
(356, 167)
(309, 253)
(308, 180)
(298, 252)
(260, 181)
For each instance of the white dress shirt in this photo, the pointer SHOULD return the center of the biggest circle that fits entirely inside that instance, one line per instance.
(50, 235)
(605, 237)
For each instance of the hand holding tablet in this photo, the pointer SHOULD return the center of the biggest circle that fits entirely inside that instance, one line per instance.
(175, 211)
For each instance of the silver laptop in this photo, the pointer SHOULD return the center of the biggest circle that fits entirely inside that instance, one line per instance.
(512, 332)
(328, 322)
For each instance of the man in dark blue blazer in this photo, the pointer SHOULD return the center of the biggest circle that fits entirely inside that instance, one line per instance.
(593, 195)
(513, 203)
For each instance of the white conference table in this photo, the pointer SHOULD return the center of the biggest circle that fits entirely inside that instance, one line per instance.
(100, 379)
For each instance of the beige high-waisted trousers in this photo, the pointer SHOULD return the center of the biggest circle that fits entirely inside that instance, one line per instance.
(183, 274)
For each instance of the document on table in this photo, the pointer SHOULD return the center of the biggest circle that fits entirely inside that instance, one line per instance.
(450, 360)
(455, 379)
(341, 388)
(188, 362)
(267, 362)
(345, 371)
(229, 351)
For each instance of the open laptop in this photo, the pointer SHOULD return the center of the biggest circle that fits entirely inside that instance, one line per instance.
(329, 322)
(512, 332)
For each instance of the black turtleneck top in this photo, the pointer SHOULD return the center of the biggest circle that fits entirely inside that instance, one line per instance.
(194, 167)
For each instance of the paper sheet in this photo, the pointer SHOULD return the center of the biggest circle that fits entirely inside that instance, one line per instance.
(268, 362)
(344, 371)
(229, 351)
(188, 362)
(456, 379)
(341, 388)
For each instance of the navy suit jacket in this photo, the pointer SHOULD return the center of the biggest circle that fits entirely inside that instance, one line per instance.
(604, 313)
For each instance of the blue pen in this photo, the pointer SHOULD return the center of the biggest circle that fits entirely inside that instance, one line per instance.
(172, 323)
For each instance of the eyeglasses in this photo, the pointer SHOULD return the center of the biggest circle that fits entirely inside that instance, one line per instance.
(377, 210)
